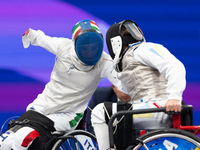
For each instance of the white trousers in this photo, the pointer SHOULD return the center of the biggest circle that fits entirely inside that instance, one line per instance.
(149, 121)
(61, 120)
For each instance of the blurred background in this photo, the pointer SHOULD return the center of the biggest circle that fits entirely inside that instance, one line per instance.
(24, 72)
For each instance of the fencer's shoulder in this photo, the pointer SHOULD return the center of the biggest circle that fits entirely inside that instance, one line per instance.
(105, 59)
(64, 47)
(148, 45)
(65, 42)
(105, 56)
(63, 39)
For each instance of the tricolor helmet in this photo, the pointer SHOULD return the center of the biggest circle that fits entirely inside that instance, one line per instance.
(88, 41)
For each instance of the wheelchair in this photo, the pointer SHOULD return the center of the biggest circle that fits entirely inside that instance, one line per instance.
(76, 140)
(179, 137)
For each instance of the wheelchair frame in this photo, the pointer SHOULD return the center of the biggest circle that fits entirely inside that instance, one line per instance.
(176, 120)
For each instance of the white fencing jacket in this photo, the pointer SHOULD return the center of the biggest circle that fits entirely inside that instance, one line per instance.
(72, 83)
(150, 71)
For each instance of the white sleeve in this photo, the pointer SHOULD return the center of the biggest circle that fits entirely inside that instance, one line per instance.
(167, 64)
(38, 38)
(109, 72)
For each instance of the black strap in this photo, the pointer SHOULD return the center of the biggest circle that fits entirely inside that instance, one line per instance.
(35, 120)
(125, 129)
(108, 106)
(125, 132)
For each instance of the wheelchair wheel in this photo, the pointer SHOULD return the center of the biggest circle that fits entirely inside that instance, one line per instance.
(76, 140)
(168, 139)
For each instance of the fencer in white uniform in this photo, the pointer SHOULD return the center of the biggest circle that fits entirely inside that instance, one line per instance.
(80, 65)
(152, 76)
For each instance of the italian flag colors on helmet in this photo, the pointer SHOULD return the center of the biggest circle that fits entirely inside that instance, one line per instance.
(83, 25)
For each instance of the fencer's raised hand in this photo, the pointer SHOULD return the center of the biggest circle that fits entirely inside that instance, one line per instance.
(173, 105)
(25, 39)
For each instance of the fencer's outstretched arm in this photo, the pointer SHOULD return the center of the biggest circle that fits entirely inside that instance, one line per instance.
(38, 38)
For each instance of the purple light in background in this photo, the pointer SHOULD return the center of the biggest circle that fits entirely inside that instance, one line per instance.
(191, 95)
(55, 18)
(17, 96)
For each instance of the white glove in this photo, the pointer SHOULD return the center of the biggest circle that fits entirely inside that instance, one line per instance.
(25, 39)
